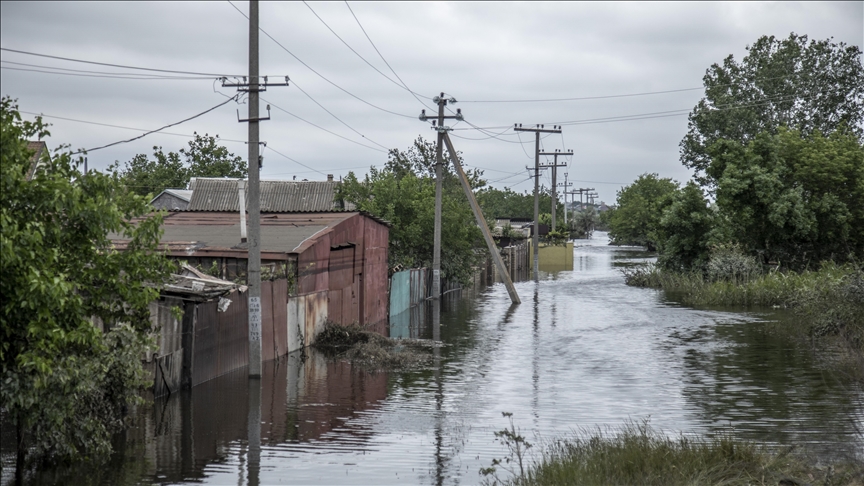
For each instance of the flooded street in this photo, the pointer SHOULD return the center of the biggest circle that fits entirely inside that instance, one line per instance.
(582, 350)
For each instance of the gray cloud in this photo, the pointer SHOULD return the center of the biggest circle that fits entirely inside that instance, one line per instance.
(473, 51)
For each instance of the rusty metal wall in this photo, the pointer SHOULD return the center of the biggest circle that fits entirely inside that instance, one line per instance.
(234, 334)
(205, 347)
(375, 292)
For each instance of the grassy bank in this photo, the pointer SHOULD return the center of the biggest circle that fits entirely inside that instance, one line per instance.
(828, 303)
(636, 454)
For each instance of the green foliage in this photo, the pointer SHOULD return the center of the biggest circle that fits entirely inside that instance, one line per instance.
(793, 198)
(583, 223)
(517, 450)
(636, 220)
(204, 158)
(496, 203)
(403, 193)
(65, 382)
(808, 86)
(684, 230)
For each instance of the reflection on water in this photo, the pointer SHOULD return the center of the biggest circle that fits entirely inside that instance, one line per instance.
(582, 350)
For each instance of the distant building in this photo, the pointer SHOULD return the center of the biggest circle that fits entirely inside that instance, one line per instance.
(172, 199)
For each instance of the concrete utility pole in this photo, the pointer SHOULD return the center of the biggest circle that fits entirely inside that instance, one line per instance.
(253, 272)
(439, 162)
(481, 222)
(565, 185)
(554, 165)
(535, 240)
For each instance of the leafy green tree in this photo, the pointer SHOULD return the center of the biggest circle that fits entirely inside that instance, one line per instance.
(204, 158)
(685, 229)
(639, 208)
(792, 197)
(808, 86)
(403, 193)
(66, 383)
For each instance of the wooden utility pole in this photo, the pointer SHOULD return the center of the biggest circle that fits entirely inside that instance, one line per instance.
(535, 240)
(253, 272)
(441, 101)
(565, 185)
(481, 222)
(554, 165)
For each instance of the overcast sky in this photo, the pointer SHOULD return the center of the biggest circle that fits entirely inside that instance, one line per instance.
(484, 51)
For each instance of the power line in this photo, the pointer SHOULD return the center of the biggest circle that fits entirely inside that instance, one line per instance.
(295, 161)
(336, 117)
(382, 56)
(349, 47)
(320, 127)
(131, 77)
(116, 65)
(120, 126)
(317, 73)
(158, 129)
(109, 73)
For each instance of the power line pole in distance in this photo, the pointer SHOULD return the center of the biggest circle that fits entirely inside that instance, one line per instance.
(554, 165)
(535, 241)
(565, 185)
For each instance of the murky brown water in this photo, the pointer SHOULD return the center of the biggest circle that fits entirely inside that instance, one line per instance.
(583, 350)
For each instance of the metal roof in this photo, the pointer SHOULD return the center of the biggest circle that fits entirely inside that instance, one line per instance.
(212, 231)
(211, 194)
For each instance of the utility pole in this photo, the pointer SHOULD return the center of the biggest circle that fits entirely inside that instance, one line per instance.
(535, 240)
(555, 166)
(565, 185)
(441, 101)
(253, 272)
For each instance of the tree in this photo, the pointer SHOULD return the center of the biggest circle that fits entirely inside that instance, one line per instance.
(66, 383)
(639, 208)
(685, 229)
(403, 193)
(204, 158)
(793, 197)
(807, 86)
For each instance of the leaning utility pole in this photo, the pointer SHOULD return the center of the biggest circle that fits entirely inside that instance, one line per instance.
(253, 272)
(481, 220)
(535, 240)
(439, 162)
(555, 166)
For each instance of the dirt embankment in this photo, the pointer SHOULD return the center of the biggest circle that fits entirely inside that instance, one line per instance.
(373, 350)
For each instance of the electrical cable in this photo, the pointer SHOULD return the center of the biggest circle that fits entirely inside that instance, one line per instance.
(351, 48)
(131, 77)
(385, 60)
(115, 65)
(109, 73)
(294, 160)
(317, 73)
(321, 128)
(336, 117)
(158, 129)
(122, 127)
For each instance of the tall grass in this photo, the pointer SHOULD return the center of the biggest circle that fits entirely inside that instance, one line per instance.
(637, 454)
(829, 302)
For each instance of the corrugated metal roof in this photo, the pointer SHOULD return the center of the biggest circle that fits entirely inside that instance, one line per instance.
(210, 194)
(282, 232)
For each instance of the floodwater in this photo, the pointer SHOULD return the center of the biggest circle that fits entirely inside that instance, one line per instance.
(582, 351)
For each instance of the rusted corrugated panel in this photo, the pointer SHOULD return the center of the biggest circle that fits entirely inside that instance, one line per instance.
(234, 334)
(267, 342)
(205, 352)
(280, 316)
(335, 306)
(375, 292)
(316, 316)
